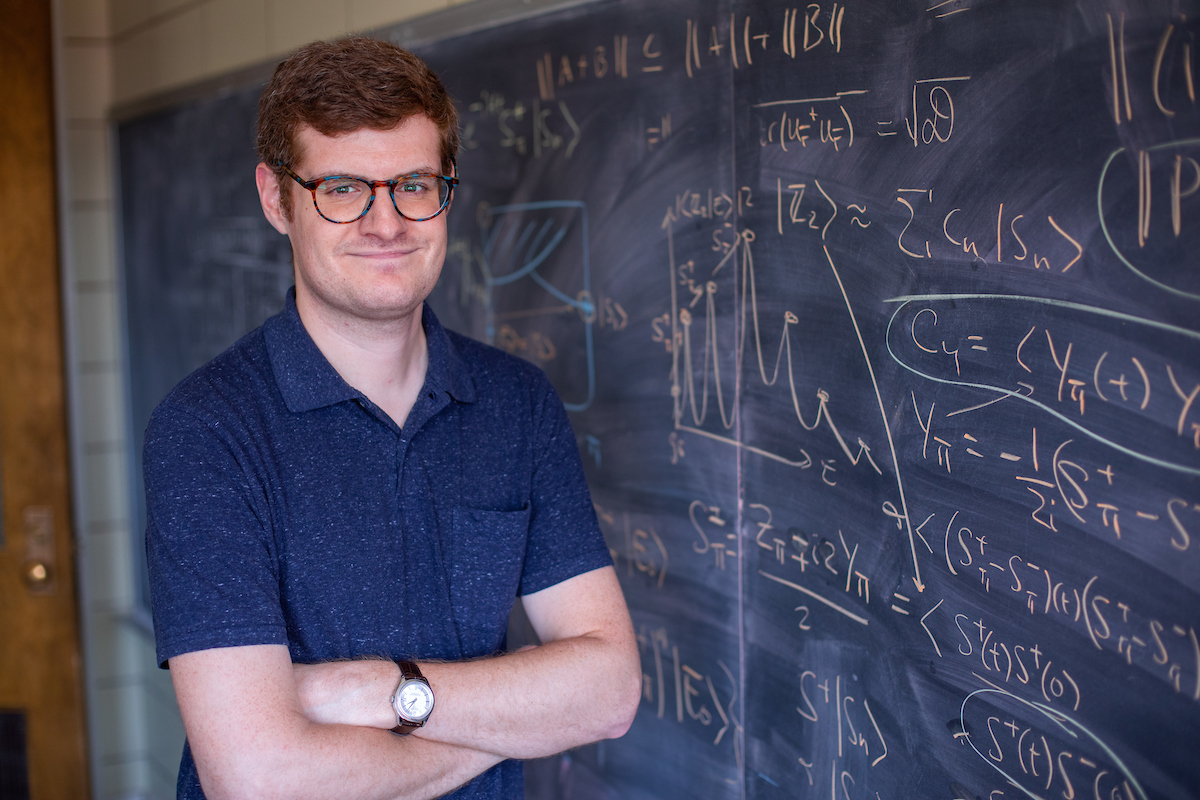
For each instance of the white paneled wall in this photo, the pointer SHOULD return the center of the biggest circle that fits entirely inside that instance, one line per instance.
(108, 53)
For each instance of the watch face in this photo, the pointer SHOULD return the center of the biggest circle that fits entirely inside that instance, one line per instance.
(415, 700)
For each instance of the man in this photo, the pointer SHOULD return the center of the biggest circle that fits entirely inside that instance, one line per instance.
(351, 486)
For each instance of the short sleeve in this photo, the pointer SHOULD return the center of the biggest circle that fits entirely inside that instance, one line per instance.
(212, 561)
(564, 537)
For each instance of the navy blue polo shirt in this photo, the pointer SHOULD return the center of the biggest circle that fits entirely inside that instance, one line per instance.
(284, 507)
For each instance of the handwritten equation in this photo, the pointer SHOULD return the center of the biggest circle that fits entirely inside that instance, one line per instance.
(886, 368)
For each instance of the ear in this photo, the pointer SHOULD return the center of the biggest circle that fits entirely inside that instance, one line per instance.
(269, 195)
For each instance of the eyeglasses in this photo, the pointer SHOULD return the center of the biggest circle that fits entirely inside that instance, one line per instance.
(343, 199)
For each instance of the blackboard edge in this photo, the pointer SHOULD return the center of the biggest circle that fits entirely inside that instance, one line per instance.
(453, 21)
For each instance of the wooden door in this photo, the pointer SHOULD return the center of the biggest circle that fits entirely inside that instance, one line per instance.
(41, 711)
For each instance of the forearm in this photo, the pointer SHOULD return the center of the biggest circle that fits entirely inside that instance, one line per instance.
(583, 685)
(533, 703)
(346, 762)
(528, 704)
(251, 739)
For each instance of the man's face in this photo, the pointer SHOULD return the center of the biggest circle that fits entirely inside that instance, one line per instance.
(382, 266)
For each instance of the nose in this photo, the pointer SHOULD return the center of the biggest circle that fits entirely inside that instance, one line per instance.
(383, 220)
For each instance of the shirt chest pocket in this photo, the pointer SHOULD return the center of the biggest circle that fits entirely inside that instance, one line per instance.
(488, 553)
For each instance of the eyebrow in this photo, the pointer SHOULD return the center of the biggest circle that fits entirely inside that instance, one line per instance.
(423, 170)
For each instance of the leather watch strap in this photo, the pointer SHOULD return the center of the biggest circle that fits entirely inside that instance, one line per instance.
(408, 671)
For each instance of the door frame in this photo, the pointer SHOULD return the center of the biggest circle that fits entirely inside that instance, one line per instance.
(37, 503)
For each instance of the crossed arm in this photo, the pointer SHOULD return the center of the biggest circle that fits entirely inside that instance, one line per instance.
(261, 727)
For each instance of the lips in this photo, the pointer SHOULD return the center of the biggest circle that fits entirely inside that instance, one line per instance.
(384, 254)
(391, 252)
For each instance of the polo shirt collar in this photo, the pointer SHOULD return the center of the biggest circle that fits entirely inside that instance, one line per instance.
(308, 381)
(448, 370)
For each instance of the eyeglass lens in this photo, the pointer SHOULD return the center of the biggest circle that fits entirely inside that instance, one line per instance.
(417, 197)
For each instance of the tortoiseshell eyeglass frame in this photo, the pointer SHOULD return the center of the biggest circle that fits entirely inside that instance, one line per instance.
(315, 183)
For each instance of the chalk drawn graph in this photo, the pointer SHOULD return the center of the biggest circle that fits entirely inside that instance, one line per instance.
(518, 242)
(691, 406)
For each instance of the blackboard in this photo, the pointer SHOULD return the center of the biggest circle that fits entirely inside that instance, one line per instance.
(879, 325)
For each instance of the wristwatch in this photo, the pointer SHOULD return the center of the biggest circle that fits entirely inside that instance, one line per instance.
(413, 699)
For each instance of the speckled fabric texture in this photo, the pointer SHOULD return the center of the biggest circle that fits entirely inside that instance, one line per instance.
(284, 507)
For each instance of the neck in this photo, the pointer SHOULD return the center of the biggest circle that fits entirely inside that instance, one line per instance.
(384, 359)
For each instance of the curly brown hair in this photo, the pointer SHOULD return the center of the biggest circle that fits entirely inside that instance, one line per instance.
(347, 85)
